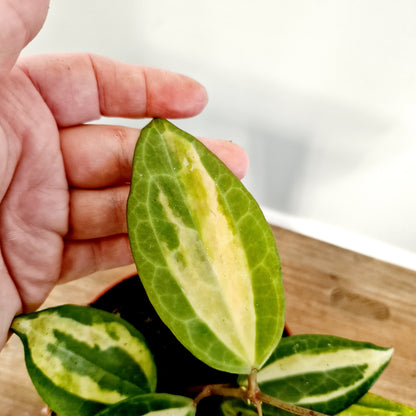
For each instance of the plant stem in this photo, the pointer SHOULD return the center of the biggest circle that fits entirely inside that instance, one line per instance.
(253, 394)
(288, 407)
(221, 390)
(253, 391)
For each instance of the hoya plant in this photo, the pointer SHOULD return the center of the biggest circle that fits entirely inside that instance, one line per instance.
(210, 271)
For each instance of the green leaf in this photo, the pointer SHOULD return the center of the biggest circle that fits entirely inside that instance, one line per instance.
(322, 372)
(236, 407)
(80, 358)
(204, 251)
(368, 405)
(152, 405)
(373, 405)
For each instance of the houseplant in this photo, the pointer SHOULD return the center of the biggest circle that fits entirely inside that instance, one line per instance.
(209, 265)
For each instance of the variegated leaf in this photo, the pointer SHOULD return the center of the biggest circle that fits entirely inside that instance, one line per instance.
(80, 358)
(322, 372)
(237, 407)
(368, 405)
(204, 251)
(373, 405)
(152, 405)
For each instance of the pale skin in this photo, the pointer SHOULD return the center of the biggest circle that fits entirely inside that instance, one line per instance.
(64, 184)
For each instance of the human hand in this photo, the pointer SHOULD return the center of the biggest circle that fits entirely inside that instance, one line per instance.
(64, 184)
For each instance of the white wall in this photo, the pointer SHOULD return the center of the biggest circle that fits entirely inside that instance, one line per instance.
(322, 93)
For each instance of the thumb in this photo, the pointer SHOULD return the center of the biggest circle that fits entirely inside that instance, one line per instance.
(20, 21)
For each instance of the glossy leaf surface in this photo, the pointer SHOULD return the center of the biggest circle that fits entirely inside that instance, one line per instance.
(80, 358)
(152, 405)
(373, 405)
(322, 372)
(204, 251)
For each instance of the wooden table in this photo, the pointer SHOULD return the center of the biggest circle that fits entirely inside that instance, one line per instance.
(328, 289)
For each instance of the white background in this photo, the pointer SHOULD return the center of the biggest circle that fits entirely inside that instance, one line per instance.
(321, 93)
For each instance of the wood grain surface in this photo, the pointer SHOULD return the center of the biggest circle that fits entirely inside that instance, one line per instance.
(329, 290)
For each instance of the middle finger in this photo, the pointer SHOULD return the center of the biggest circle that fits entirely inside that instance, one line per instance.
(100, 156)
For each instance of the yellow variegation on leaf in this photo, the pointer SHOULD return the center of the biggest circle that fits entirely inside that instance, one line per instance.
(322, 372)
(204, 251)
(154, 404)
(81, 359)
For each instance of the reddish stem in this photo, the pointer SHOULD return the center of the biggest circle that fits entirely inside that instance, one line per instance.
(253, 394)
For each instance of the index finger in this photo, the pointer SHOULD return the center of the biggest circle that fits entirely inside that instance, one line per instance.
(20, 21)
(82, 87)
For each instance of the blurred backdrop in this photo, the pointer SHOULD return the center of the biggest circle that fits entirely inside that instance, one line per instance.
(321, 93)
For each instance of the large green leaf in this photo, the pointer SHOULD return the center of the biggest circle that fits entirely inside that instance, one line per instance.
(204, 251)
(81, 359)
(322, 372)
(152, 405)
